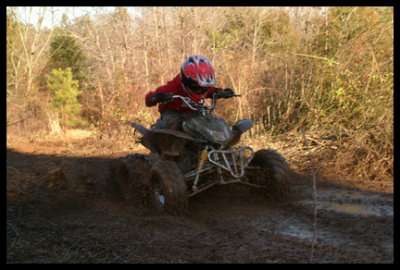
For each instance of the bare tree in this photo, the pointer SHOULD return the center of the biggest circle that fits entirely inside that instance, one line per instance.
(34, 41)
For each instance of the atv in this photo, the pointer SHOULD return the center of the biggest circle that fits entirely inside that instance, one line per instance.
(184, 163)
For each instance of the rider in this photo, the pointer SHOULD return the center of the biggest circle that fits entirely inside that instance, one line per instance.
(196, 80)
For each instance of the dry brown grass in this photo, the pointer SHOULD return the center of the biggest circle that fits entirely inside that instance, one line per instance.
(348, 160)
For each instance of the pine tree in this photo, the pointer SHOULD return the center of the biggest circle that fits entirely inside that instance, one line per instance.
(66, 53)
(64, 97)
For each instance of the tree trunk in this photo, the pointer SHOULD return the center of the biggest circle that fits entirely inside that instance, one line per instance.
(54, 124)
(158, 46)
(167, 43)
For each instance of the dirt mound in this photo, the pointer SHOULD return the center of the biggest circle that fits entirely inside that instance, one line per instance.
(63, 208)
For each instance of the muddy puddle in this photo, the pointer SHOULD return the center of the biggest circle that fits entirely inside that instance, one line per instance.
(346, 222)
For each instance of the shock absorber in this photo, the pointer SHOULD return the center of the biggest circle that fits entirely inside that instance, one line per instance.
(202, 161)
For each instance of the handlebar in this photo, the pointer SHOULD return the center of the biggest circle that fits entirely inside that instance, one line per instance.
(198, 106)
(187, 100)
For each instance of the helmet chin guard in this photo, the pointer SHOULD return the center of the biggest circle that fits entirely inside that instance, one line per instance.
(194, 97)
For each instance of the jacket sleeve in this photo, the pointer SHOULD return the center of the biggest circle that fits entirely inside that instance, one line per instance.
(170, 87)
(211, 92)
(148, 99)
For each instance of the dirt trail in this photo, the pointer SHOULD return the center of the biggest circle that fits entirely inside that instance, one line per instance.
(84, 220)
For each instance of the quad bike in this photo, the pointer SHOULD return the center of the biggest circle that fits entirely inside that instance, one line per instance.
(183, 164)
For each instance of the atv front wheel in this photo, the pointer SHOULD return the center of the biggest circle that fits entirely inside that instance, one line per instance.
(274, 174)
(167, 188)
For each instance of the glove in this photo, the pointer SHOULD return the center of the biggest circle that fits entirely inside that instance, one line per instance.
(161, 97)
(225, 93)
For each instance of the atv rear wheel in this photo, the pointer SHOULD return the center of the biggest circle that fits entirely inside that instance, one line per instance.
(167, 188)
(274, 174)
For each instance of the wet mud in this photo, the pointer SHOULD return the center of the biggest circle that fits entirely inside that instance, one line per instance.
(63, 208)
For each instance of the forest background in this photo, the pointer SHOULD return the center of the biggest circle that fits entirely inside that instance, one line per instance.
(325, 71)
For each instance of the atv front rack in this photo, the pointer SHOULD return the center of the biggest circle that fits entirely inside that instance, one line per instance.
(235, 161)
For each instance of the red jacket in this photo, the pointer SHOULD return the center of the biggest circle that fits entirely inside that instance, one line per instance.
(174, 87)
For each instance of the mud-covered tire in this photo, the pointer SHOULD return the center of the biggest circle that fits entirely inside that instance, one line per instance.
(167, 188)
(132, 172)
(274, 173)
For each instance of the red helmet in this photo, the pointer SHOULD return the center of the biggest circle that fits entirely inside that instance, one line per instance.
(197, 75)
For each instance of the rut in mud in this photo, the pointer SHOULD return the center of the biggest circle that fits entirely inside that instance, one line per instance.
(64, 209)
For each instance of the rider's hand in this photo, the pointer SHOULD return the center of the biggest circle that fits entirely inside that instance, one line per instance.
(225, 93)
(161, 97)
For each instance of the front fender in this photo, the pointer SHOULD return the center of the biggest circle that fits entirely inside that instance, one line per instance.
(242, 126)
(239, 128)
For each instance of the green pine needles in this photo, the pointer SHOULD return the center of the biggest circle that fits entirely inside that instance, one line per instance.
(64, 100)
